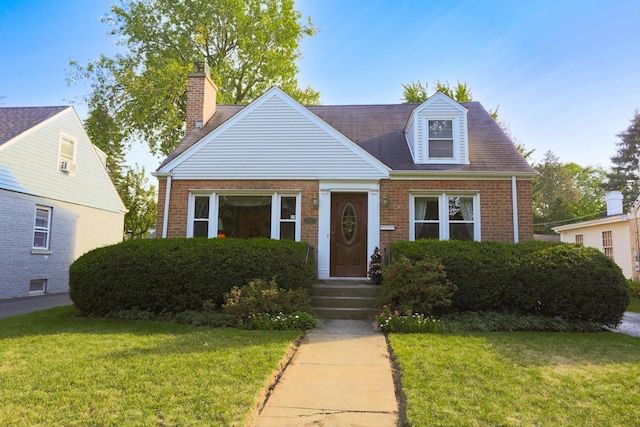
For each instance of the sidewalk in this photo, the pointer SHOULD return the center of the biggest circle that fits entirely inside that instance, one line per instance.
(630, 324)
(340, 376)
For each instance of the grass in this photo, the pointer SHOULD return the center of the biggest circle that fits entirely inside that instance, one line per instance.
(634, 306)
(58, 369)
(520, 379)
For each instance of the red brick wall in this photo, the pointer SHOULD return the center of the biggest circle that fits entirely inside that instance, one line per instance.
(177, 225)
(496, 208)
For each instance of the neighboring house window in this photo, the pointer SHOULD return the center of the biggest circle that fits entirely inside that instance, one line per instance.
(42, 228)
(38, 286)
(445, 217)
(440, 143)
(579, 239)
(245, 216)
(607, 243)
(67, 154)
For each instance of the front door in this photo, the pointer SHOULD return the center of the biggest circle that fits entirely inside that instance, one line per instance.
(348, 255)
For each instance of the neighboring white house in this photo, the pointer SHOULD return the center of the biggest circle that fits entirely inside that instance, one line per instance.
(612, 235)
(56, 199)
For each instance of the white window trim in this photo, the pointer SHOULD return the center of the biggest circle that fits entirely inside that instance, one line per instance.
(276, 198)
(42, 229)
(38, 292)
(71, 167)
(455, 124)
(443, 212)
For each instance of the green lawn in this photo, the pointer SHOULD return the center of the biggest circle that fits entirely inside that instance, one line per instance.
(634, 306)
(520, 379)
(57, 369)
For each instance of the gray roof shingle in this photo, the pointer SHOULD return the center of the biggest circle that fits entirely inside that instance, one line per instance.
(379, 130)
(15, 120)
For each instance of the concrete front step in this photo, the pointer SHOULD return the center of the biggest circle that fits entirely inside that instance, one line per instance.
(345, 313)
(342, 299)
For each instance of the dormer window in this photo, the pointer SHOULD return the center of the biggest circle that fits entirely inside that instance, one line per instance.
(440, 138)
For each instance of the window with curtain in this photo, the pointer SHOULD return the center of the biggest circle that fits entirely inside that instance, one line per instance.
(444, 217)
(244, 216)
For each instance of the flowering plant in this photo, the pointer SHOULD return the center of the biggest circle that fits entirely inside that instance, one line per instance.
(298, 320)
(392, 321)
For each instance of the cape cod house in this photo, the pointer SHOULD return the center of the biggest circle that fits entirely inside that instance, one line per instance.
(343, 178)
(56, 199)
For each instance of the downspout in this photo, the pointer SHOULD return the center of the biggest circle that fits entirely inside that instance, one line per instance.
(167, 198)
(514, 198)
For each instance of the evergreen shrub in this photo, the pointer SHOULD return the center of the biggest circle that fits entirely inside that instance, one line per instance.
(549, 279)
(180, 274)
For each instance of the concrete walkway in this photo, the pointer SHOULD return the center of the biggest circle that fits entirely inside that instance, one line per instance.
(630, 324)
(16, 306)
(340, 376)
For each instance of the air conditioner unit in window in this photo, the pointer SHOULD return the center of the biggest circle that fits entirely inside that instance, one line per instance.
(64, 166)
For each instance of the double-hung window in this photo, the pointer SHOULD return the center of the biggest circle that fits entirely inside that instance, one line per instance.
(67, 154)
(244, 215)
(607, 243)
(440, 141)
(42, 228)
(445, 216)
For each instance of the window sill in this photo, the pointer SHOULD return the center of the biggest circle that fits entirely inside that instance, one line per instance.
(40, 252)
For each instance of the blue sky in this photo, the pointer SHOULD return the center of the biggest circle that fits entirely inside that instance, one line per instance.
(565, 74)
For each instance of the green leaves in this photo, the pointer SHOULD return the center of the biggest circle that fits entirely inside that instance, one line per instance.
(250, 46)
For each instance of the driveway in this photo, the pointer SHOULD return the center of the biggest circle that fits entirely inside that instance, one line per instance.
(630, 324)
(15, 306)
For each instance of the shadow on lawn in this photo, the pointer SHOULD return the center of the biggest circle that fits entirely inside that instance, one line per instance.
(181, 339)
(556, 348)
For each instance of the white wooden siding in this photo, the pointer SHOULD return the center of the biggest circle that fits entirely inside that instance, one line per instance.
(32, 161)
(276, 141)
(411, 140)
(592, 237)
(439, 107)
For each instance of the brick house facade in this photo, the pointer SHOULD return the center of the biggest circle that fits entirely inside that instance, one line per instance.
(344, 179)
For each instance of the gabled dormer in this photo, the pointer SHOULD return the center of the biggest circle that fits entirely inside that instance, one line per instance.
(437, 132)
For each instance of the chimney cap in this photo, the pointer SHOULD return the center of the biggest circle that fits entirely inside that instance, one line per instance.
(201, 67)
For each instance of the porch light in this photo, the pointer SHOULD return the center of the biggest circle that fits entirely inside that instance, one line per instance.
(385, 200)
(314, 200)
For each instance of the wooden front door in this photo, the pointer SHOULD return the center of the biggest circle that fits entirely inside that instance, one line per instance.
(348, 235)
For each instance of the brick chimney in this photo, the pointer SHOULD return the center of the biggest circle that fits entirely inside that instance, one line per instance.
(201, 96)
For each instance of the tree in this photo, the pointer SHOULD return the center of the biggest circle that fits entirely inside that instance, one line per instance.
(140, 200)
(624, 175)
(250, 45)
(417, 93)
(565, 191)
(554, 194)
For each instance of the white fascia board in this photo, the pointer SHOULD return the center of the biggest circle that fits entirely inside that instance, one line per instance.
(591, 223)
(34, 128)
(276, 91)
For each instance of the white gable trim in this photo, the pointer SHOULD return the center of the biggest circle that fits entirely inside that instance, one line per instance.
(281, 95)
(438, 96)
(35, 128)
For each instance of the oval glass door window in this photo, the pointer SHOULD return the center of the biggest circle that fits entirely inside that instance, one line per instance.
(348, 223)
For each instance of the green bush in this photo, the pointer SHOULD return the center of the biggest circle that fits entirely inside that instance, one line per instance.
(550, 279)
(470, 321)
(634, 289)
(416, 286)
(389, 321)
(298, 320)
(176, 275)
(262, 297)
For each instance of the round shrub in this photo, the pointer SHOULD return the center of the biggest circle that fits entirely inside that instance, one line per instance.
(416, 286)
(550, 279)
(175, 275)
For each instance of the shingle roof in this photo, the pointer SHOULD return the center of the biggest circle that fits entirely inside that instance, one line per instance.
(15, 120)
(379, 130)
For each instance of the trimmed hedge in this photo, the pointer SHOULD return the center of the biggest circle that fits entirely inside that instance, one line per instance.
(179, 274)
(550, 279)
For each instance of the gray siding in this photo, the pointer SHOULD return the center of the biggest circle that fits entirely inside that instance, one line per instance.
(18, 265)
